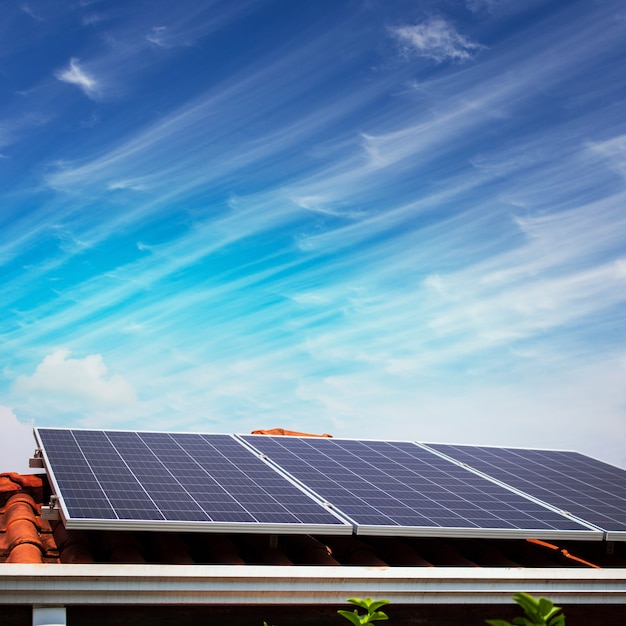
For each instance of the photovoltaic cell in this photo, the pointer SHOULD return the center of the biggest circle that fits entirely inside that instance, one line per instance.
(110, 479)
(72, 471)
(589, 489)
(400, 488)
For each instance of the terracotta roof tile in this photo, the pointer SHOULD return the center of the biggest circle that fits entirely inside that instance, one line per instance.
(307, 550)
(170, 549)
(24, 536)
(122, 547)
(11, 483)
(287, 433)
(73, 546)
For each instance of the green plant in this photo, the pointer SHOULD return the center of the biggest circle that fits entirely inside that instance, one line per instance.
(370, 606)
(539, 611)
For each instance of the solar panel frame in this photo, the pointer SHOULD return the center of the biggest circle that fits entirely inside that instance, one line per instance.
(600, 508)
(359, 502)
(104, 492)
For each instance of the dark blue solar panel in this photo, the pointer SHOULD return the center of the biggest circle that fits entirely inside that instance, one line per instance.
(72, 471)
(398, 484)
(587, 488)
(166, 479)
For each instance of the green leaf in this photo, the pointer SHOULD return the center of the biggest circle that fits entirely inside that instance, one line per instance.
(369, 605)
(553, 611)
(359, 602)
(545, 607)
(377, 615)
(528, 604)
(351, 616)
(539, 612)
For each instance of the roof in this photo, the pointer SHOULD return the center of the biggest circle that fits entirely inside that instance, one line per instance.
(140, 577)
(137, 578)
(25, 537)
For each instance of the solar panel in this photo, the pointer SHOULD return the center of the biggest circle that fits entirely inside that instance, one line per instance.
(401, 488)
(589, 489)
(161, 481)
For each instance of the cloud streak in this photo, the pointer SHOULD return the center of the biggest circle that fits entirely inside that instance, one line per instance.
(435, 39)
(294, 234)
(74, 74)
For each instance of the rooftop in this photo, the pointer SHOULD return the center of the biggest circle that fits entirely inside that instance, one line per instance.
(25, 537)
(137, 577)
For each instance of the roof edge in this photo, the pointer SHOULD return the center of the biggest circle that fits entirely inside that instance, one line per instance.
(268, 585)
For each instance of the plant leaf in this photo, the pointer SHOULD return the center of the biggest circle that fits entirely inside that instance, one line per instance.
(363, 603)
(545, 607)
(377, 615)
(528, 604)
(351, 616)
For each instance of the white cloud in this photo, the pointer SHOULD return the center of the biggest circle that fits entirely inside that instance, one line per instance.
(75, 75)
(29, 11)
(133, 184)
(318, 204)
(436, 39)
(92, 18)
(74, 384)
(158, 36)
(613, 151)
(476, 6)
(579, 409)
(16, 444)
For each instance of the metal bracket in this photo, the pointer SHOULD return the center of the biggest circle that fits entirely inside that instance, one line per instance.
(36, 460)
(51, 512)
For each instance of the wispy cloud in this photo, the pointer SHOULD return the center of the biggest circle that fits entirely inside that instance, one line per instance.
(303, 242)
(26, 8)
(74, 74)
(613, 151)
(435, 39)
(14, 128)
(126, 184)
(159, 36)
(490, 6)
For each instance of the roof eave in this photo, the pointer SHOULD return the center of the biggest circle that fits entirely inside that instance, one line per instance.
(65, 584)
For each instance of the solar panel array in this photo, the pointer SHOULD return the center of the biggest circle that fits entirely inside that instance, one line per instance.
(402, 489)
(587, 488)
(258, 483)
(175, 481)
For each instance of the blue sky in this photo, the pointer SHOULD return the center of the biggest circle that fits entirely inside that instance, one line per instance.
(377, 218)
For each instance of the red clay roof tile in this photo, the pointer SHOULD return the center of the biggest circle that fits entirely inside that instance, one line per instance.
(287, 433)
(11, 483)
(21, 530)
